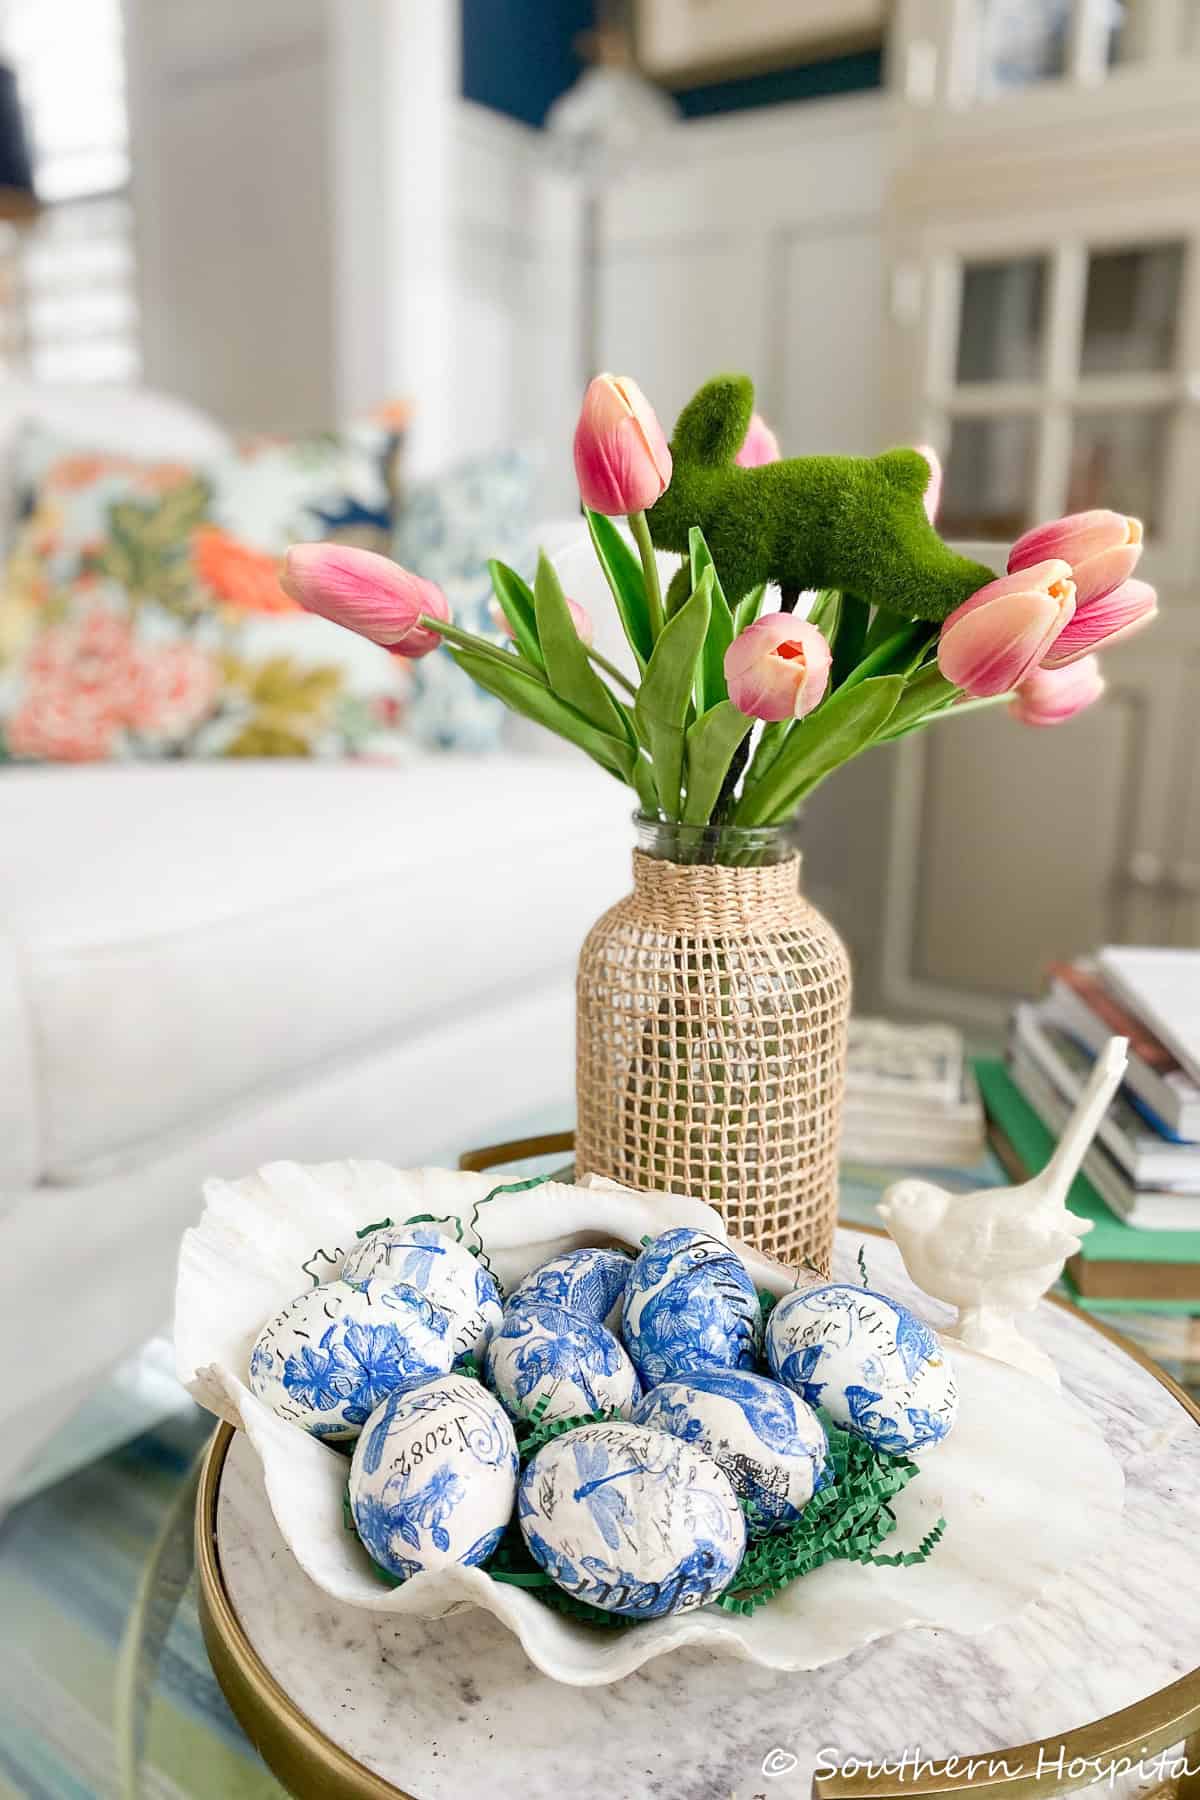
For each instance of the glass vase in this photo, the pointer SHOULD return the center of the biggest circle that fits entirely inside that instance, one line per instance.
(712, 1006)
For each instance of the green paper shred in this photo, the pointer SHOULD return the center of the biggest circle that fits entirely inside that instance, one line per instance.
(862, 1266)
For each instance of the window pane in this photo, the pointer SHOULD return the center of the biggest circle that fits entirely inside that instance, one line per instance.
(1117, 459)
(989, 471)
(1131, 309)
(1000, 320)
(1021, 41)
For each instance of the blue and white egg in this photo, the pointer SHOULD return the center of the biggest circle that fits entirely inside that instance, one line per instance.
(591, 1282)
(631, 1520)
(433, 1478)
(770, 1444)
(689, 1304)
(327, 1360)
(425, 1258)
(870, 1362)
(571, 1362)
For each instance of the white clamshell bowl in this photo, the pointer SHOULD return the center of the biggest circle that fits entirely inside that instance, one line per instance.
(1025, 1481)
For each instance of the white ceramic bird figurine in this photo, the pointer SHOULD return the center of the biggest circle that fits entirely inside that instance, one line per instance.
(994, 1254)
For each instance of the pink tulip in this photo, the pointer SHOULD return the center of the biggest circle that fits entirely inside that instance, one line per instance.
(759, 446)
(993, 640)
(622, 460)
(1104, 622)
(777, 668)
(933, 488)
(580, 616)
(1048, 696)
(366, 593)
(1101, 547)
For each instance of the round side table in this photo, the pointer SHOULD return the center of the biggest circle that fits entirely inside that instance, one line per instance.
(1100, 1674)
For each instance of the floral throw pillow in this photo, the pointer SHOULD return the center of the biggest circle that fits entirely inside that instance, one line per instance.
(142, 614)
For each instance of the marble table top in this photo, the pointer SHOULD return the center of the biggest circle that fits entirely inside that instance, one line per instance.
(452, 1710)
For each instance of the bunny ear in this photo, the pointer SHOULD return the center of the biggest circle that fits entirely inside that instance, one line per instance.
(712, 426)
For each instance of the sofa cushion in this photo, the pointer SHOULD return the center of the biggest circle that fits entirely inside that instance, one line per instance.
(182, 940)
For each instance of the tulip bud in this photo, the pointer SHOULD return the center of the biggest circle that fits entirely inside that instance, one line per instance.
(366, 593)
(1048, 696)
(1102, 548)
(1104, 622)
(993, 640)
(777, 668)
(933, 488)
(759, 446)
(581, 618)
(622, 460)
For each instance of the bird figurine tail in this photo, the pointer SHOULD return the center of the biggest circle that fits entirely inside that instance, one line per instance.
(1107, 1073)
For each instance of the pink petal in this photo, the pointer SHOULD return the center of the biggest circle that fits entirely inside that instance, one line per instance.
(989, 649)
(1049, 696)
(1103, 623)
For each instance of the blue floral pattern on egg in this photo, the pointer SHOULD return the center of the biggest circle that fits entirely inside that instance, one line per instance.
(327, 1360)
(689, 1305)
(870, 1362)
(631, 1520)
(571, 1362)
(591, 1282)
(770, 1444)
(425, 1258)
(433, 1478)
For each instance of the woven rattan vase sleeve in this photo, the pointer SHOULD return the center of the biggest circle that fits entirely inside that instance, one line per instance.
(712, 1008)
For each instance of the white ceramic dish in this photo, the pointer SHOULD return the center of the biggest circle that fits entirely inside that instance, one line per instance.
(1025, 1481)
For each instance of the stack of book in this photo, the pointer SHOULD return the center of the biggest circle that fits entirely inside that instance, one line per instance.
(1140, 1182)
(911, 1097)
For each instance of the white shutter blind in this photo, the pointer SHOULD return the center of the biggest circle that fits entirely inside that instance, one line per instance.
(71, 295)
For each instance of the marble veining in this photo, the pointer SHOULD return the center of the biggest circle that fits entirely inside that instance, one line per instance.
(451, 1709)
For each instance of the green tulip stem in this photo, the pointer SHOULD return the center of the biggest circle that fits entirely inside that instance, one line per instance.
(654, 604)
(957, 710)
(466, 640)
(611, 670)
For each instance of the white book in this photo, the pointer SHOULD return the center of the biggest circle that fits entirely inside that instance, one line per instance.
(1163, 988)
(1147, 1158)
(1151, 1209)
(1171, 1095)
(912, 1064)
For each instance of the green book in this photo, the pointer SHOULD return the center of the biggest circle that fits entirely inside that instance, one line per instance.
(1111, 1239)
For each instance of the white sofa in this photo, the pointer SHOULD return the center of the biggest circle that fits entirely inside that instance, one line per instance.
(204, 966)
(207, 966)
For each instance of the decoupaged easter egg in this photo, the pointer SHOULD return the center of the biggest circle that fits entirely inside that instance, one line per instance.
(433, 1477)
(689, 1304)
(869, 1361)
(591, 1282)
(437, 1266)
(631, 1520)
(327, 1360)
(546, 1353)
(769, 1443)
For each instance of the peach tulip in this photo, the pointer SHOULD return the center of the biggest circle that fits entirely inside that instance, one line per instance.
(1048, 696)
(581, 618)
(1102, 548)
(366, 593)
(1104, 622)
(992, 641)
(777, 668)
(622, 459)
(759, 446)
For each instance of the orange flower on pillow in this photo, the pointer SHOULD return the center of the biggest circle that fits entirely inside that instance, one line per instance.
(239, 576)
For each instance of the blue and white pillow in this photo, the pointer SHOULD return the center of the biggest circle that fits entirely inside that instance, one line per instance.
(447, 529)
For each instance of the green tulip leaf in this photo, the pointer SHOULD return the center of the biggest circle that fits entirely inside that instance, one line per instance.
(515, 598)
(925, 693)
(842, 725)
(710, 677)
(746, 610)
(643, 781)
(854, 616)
(711, 742)
(623, 573)
(534, 700)
(663, 699)
(570, 674)
(897, 654)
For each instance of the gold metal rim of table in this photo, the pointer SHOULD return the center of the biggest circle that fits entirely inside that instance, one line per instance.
(312, 1767)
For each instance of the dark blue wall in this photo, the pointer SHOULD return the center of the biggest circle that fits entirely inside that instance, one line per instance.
(518, 56)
